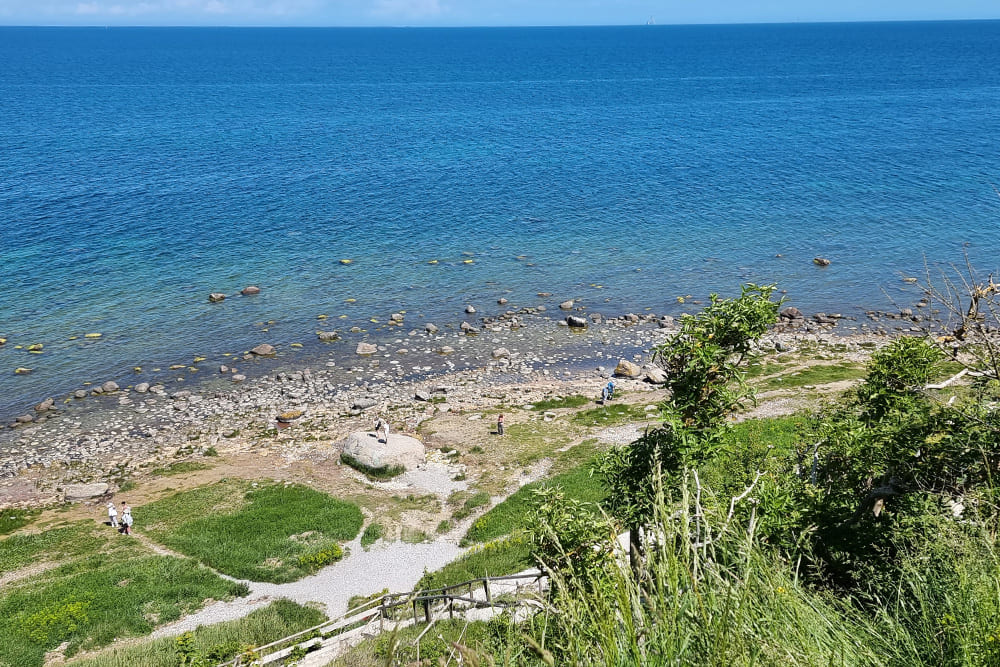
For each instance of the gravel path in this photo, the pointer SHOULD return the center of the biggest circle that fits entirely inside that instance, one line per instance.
(393, 565)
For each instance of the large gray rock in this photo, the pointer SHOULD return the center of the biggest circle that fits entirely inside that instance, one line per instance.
(576, 322)
(626, 369)
(366, 348)
(263, 350)
(216, 297)
(76, 492)
(656, 375)
(371, 452)
(250, 289)
(109, 387)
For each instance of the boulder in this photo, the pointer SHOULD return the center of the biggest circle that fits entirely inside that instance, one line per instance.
(45, 405)
(656, 375)
(470, 309)
(363, 403)
(396, 317)
(821, 261)
(109, 387)
(250, 289)
(368, 451)
(77, 492)
(422, 395)
(80, 393)
(596, 318)
(142, 387)
(263, 350)
(466, 327)
(430, 328)
(239, 378)
(566, 305)
(502, 301)
(216, 297)
(626, 369)
(327, 336)
(501, 353)
(791, 313)
(576, 322)
(366, 348)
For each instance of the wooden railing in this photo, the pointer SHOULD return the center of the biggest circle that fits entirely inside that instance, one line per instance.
(386, 607)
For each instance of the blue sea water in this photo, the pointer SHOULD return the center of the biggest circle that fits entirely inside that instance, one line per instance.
(141, 169)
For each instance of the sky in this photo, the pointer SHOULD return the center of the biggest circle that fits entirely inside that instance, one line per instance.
(476, 12)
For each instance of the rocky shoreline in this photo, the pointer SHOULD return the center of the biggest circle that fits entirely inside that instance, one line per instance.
(409, 378)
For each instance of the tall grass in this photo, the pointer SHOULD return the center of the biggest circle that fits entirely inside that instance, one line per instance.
(266, 534)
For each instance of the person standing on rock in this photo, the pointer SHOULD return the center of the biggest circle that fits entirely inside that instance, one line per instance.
(112, 515)
(500, 424)
(383, 426)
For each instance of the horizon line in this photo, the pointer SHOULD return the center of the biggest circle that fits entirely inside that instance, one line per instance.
(499, 27)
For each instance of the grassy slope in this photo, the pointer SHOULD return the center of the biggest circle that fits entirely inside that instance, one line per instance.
(258, 534)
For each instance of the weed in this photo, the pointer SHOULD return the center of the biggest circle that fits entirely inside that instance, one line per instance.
(373, 532)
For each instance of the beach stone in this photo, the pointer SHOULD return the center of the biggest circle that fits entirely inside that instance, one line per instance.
(216, 297)
(446, 349)
(400, 450)
(596, 318)
(363, 403)
(25, 419)
(791, 313)
(289, 416)
(821, 261)
(656, 375)
(470, 309)
(430, 328)
(250, 289)
(263, 350)
(77, 492)
(239, 378)
(422, 395)
(327, 336)
(45, 405)
(502, 301)
(366, 348)
(576, 322)
(109, 387)
(501, 353)
(80, 393)
(627, 369)
(142, 387)
(466, 327)
(396, 317)
(566, 305)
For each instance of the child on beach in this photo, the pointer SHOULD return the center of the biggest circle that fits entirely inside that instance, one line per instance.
(500, 424)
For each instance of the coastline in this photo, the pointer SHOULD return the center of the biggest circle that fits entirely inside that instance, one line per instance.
(518, 357)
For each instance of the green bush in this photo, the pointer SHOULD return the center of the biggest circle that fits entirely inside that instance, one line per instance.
(373, 532)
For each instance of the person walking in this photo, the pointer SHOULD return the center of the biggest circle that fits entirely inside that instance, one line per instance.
(126, 518)
(112, 515)
(500, 424)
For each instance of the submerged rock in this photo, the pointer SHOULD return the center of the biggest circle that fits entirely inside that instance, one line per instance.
(216, 297)
(250, 289)
(263, 350)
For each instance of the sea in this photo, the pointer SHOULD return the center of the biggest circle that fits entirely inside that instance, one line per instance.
(354, 173)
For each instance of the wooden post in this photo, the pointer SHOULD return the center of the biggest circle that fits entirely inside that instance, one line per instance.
(486, 589)
(427, 610)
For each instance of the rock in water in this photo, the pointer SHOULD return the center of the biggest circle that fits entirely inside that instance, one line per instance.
(821, 261)
(250, 289)
(263, 350)
(576, 322)
(566, 305)
(109, 387)
(366, 348)
(369, 451)
(791, 313)
(627, 369)
(216, 297)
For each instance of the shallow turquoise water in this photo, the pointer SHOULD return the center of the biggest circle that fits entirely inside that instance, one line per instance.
(144, 168)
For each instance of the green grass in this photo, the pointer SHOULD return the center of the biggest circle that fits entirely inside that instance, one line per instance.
(400, 648)
(505, 556)
(12, 519)
(813, 375)
(611, 415)
(52, 545)
(112, 588)
(373, 532)
(471, 504)
(559, 402)
(264, 534)
(179, 468)
(379, 474)
(219, 642)
(514, 513)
